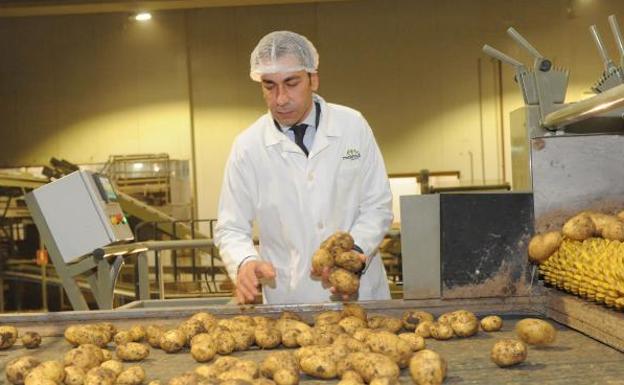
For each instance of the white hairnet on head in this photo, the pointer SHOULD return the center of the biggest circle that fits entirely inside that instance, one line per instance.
(283, 51)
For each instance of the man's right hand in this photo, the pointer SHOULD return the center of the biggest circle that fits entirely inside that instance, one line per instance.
(248, 279)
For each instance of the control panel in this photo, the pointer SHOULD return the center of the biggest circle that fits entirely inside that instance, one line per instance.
(80, 212)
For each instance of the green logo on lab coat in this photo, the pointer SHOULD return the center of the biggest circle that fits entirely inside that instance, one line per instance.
(352, 154)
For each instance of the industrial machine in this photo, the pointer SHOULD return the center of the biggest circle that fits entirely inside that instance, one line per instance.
(85, 231)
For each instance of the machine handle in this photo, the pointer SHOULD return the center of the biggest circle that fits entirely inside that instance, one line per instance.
(139, 247)
(496, 54)
(617, 34)
(524, 43)
(606, 101)
(601, 48)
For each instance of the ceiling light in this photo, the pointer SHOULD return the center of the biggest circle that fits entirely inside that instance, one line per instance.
(143, 16)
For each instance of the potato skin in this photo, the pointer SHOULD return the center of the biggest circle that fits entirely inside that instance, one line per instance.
(99, 376)
(50, 370)
(508, 352)
(349, 260)
(415, 341)
(98, 334)
(427, 367)
(203, 352)
(322, 259)
(354, 310)
(542, 246)
(17, 369)
(441, 331)
(172, 341)
(369, 365)
(319, 366)
(464, 323)
(134, 375)
(267, 337)
(132, 351)
(424, 329)
(344, 281)
(31, 340)
(85, 356)
(74, 375)
(8, 336)
(491, 323)
(412, 318)
(535, 331)
(579, 227)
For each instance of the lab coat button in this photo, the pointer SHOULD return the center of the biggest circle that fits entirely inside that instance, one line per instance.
(320, 225)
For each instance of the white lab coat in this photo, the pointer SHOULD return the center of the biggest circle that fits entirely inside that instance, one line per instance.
(299, 201)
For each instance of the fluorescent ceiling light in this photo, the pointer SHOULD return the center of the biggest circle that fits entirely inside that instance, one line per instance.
(143, 16)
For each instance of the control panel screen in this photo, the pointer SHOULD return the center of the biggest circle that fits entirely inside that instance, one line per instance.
(106, 188)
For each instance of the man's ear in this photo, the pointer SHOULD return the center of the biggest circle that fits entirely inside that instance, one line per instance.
(314, 82)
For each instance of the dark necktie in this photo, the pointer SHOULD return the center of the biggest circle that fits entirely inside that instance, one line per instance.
(299, 131)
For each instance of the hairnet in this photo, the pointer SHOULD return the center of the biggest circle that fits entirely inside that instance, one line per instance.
(283, 51)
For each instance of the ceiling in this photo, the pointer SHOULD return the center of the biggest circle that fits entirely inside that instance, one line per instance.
(13, 8)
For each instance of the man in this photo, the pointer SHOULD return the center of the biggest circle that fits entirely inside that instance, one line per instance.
(303, 171)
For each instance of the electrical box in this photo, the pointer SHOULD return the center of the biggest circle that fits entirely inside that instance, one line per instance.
(79, 212)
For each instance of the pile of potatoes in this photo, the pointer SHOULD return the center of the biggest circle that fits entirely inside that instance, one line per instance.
(582, 226)
(336, 253)
(349, 345)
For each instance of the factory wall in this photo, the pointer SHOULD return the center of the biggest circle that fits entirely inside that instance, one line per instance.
(84, 87)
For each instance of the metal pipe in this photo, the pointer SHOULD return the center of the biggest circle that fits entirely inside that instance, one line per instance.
(524, 43)
(587, 108)
(138, 247)
(496, 54)
(617, 34)
(608, 64)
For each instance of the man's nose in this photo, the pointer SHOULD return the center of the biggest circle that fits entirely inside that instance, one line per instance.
(282, 96)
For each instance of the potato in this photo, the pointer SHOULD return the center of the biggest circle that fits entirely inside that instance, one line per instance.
(536, 331)
(322, 259)
(369, 365)
(153, 334)
(123, 337)
(225, 342)
(350, 344)
(327, 317)
(354, 310)
(282, 367)
(264, 381)
(17, 369)
(98, 335)
(113, 365)
(351, 323)
(542, 246)
(319, 366)
(412, 318)
(107, 327)
(243, 338)
(31, 340)
(266, 321)
(74, 375)
(85, 356)
(267, 338)
(349, 381)
(424, 329)
(134, 375)
(99, 376)
(138, 333)
(132, 351)
(608, 226)
(286, 377)
(379, 322)
(415, 341)
(464, 323)
(50, 370)
(184, 379)
(203, 352)
(208, 320)
(191, 328)
(579, 228)
(8, 336)
(390, 345)
(204, 338)
(446, 318)
(349, 260)
(441, 331)
(508, 352)
(172, 341)
(234, 375)
(289, 338)
(39, 381)
(427, 367)
(491, 323)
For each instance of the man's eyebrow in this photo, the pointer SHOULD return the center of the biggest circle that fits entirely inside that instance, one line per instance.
(268, 81)
(294, 77)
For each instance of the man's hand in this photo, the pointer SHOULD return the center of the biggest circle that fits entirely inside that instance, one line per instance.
(325, 277)
(248, 279)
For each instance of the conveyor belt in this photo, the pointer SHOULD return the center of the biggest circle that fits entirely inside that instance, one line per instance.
(573, 360)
